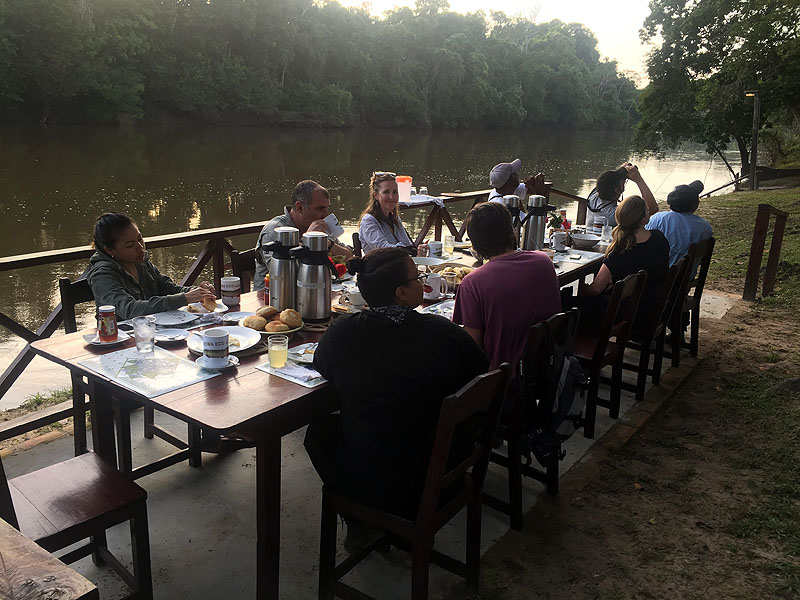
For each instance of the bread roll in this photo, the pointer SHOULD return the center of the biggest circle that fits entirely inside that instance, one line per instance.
(274, 326)
(210, 304)
(255, 322)
(267, 312)
(292, 318)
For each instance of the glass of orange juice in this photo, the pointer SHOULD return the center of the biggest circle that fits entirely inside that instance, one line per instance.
(278, 350)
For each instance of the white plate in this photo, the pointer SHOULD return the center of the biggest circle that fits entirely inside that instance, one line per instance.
(269, 333)
(443, 309)
(232, 362)
(234, 317)
(201, 310)
(428, 260)
(94, 339)
(462, 244)
(246, 337)
(171, 318)
(171, 335)
(303, 353)
(345, 277)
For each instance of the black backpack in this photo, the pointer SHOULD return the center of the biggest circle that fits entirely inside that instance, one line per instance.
(555, 384)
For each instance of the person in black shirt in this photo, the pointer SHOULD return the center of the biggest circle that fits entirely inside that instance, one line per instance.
(633, 248)
(392, 367)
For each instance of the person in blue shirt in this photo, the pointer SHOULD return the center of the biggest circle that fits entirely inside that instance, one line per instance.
(681, 226)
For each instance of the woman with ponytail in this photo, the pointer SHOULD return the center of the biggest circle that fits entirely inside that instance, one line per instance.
(633, 248)
(379, 361)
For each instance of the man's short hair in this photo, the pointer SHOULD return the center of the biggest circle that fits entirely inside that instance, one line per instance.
(685, 198)
(490, 229)
(304, 190)
(608, 182)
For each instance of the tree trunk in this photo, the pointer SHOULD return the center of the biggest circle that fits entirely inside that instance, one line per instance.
(745, 155)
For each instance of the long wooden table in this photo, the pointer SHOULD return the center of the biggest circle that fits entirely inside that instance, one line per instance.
(243, 400)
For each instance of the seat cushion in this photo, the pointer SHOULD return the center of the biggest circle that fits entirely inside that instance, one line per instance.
(53, 499)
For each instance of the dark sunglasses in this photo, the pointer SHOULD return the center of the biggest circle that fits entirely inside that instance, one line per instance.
(383, 174)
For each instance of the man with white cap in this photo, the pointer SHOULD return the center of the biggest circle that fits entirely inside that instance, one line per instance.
(681, 226)
(504, 178)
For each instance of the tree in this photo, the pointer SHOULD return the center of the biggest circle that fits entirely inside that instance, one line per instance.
(711, 52)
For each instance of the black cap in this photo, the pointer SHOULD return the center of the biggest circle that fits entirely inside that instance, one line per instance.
(684, 198)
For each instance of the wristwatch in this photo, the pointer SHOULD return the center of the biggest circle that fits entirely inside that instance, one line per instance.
(331, 244)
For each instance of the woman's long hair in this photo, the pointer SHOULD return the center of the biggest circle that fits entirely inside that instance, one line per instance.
(373, 206)
(107, 229)
(629, 215)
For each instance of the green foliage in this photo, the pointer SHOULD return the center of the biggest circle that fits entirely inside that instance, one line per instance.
(711, 52)
(300, 62)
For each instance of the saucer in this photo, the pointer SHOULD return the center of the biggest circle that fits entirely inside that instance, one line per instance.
(94, 339)
(232, 362)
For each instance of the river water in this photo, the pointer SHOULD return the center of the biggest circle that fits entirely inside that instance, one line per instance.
(54, 182)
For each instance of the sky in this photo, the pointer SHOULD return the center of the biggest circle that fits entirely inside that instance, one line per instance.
(615, 24)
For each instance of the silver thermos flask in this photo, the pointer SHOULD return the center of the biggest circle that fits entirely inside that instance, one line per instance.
(283, 268)
(511, 202)
(536, 222)
(314, 273)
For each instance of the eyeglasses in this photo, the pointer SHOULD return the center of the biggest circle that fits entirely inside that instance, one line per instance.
(422, 278)
(383, 174)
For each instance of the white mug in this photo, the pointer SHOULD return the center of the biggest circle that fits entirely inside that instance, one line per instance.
(435, 248)
(558, 241)
(334, 227)
(433, 287)
(231, 290)
(353, 298)
(215, 347)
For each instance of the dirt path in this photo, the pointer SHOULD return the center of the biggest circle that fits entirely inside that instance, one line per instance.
(688, 508)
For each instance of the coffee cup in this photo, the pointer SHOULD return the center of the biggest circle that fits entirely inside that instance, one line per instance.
(558, 241)
(434, 287)
(215, 347)
(231, 290)
(353, 298)
(334, 227)
(435, 249)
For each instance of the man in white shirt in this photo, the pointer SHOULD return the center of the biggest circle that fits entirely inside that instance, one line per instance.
(504, 178)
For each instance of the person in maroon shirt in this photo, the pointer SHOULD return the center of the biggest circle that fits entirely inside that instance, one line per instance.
(499, 302)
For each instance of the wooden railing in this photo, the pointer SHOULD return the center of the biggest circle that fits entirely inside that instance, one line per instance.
(214, 251)
(765, 211)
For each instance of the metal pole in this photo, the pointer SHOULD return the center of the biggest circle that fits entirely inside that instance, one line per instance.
(754, 151)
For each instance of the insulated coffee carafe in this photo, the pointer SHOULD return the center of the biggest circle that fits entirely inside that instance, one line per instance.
(511, 202)
(283, 268)
(535, 222)
(314, 272)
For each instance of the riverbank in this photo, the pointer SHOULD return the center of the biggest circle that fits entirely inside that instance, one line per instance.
(702, 501)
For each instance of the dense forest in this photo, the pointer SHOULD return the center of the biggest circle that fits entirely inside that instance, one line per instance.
(301, 62)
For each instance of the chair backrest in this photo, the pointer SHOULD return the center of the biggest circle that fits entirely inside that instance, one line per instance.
(620, 313)
(73, 293)
(552, 337)
(700, 256)
(243, 265)
(7, 512)
(661, 309)
(469, 415)
(357, 251)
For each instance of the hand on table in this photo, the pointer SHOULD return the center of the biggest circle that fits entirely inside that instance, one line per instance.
(199, 294)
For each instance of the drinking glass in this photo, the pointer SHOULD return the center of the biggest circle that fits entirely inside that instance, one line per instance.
(423, 191)
(450, 280)
(278, 350)
(449, 244)
(144, 330)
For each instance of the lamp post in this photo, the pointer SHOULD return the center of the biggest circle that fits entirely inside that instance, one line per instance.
(754, 153)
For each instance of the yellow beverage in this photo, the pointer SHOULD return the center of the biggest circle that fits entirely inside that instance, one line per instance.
(277, 357)
(449, 244)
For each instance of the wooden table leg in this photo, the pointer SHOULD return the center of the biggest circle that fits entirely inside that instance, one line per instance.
(103, 422)
(268, 515)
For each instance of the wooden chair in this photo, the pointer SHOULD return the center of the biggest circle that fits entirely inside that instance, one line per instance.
(77, 499)
(72, 294)
(699, 257)
(243, 265)
(482, 397)
(357, 250)
(560, 330)
(650, 339)
(598, 352)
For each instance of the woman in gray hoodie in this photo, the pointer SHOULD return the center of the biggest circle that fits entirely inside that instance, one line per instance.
(121, 274)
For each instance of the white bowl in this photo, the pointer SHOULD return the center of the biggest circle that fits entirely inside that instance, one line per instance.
(584, 241)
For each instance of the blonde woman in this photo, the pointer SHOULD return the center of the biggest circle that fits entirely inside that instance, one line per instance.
(380, 225)
(633, 248)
